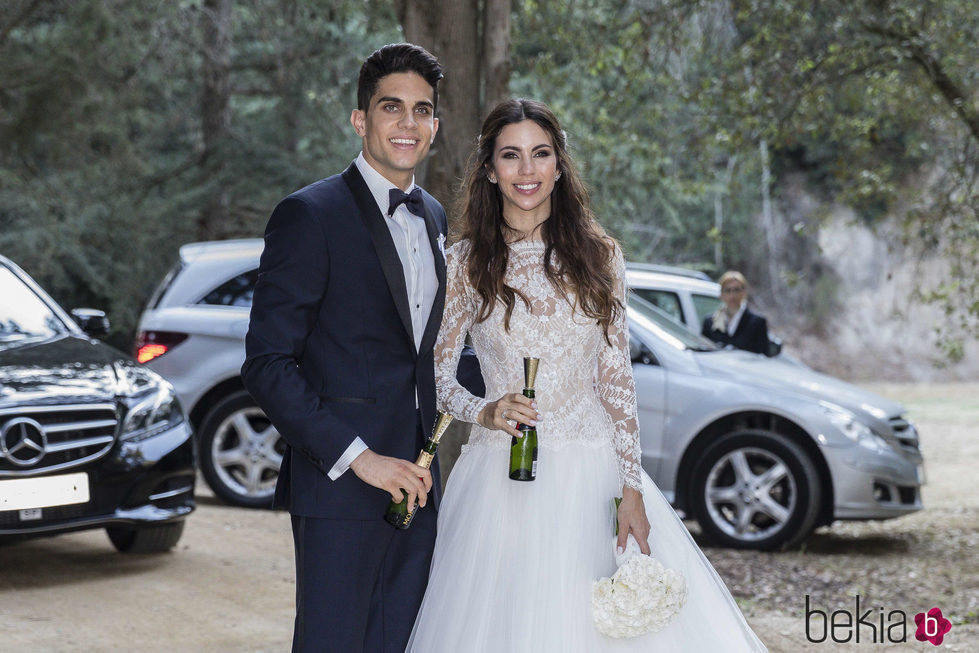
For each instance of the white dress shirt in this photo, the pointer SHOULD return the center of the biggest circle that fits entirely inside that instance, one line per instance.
(732, 324)
(418, 263)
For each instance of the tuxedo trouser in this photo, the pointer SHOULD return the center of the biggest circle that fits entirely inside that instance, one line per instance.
(359, 584)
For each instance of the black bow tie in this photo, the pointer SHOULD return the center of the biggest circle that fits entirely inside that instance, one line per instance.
(413, 201)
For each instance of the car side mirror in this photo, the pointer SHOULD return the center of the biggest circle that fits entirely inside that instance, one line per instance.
(774, 346)
(640, 353)
(91, 321)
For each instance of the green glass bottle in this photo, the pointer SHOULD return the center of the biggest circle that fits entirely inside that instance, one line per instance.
(523, 451)
(398, 513)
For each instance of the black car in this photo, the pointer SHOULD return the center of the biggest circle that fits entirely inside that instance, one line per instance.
(89, 438)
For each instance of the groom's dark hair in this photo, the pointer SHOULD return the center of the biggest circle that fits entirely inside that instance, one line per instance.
(397, 58)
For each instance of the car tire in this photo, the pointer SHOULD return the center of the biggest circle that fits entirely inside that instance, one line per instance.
(755, 489)
(240, 452)
(147, 539)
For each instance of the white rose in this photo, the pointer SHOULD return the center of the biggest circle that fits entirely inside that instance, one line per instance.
(641, 596)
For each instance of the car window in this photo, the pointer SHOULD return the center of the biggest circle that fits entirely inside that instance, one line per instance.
(668, 328)
(23, 315)
(704, 305)
(234, 292)
(161, 290)
(662, 299)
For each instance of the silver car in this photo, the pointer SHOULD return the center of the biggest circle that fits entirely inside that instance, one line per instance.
(760, 451)
(688, 296)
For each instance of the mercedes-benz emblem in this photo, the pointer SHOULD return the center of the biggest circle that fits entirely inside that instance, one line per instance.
(23, 441)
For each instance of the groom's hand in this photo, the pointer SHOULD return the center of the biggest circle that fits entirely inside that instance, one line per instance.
(392, 475)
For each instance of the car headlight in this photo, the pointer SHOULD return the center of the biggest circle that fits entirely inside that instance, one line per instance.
(151, 414)
(849, 425)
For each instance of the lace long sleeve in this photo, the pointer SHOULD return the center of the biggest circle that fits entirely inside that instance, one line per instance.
(617, 389)
(460, 312)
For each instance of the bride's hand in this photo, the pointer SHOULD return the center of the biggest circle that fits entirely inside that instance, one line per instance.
(632, 518)
(510, 409)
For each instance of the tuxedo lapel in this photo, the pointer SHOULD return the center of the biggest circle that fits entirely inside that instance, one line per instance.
(383, 244)
(437, 240)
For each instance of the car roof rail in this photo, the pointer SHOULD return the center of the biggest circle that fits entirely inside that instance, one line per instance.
(669, 269)
(191, 251)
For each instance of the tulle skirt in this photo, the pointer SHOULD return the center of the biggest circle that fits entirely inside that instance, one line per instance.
(515, 561)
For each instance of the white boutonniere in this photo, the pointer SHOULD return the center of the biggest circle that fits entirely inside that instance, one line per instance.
(441, 241)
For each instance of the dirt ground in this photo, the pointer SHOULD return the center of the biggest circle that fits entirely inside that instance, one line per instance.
(229, 584)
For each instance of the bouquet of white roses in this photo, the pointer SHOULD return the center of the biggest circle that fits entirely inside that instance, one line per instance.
(642, 596)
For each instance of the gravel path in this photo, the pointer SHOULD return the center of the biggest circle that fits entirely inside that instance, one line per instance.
(229, 585)
(914, 563)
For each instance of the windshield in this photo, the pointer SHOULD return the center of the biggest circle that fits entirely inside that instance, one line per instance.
(659, 322)
(23, 316)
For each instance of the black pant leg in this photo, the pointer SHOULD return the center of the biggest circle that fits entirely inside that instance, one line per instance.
(338, 569)
(359, 584)
(404, 578)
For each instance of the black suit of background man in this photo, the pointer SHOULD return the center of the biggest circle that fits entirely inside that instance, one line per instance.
(751, 333)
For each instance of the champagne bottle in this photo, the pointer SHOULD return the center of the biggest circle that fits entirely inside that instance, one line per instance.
(523, 451)
(398, 514)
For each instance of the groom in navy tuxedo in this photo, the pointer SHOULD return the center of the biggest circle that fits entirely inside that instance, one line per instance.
(339, 354)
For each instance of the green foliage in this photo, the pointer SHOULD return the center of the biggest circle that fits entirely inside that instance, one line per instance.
(665, 103)
(100, 131)
(618, 78)
(874, 101)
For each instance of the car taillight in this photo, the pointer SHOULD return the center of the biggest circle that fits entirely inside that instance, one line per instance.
(152, 344)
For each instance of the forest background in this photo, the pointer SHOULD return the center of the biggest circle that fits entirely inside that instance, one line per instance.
(827, 149)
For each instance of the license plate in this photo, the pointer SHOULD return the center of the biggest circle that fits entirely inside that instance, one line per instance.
(31, 514)
(920, 473)
(44, 492)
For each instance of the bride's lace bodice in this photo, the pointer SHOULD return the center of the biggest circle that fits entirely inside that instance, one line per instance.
(584, 387)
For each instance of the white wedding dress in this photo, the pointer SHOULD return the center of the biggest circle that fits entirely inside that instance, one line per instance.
(515, 561)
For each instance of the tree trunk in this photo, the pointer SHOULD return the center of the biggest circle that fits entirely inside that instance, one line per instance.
(215, 115)
(474, 81)
(723, 190)
(496, 53)
(450, 29)
(768, 220)
(288, 86)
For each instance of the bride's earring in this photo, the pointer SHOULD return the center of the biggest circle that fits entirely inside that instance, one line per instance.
(491, 178)
(557, 176)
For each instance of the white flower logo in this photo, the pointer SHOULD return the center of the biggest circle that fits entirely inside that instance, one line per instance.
(441, 242)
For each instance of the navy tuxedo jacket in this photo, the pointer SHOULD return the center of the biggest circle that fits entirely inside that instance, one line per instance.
(330, 354)
(751, 334)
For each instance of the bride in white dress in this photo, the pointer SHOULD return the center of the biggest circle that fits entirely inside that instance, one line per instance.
(515, 561)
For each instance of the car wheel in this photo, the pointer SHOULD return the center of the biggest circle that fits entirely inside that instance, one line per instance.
(240, 452)
(755, 489)
(149, 539)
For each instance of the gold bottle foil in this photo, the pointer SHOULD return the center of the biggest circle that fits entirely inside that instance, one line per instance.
(530, 371)
(441, 424)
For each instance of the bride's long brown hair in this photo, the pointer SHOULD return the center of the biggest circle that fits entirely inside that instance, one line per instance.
(578, 253)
